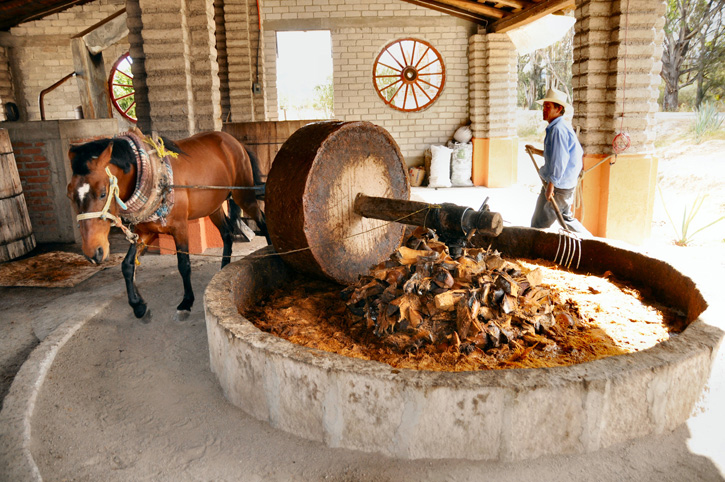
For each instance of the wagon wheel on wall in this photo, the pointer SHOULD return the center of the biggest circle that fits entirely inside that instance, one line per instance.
(120, 87)
(409, 74)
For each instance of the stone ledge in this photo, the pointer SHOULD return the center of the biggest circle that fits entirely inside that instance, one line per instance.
(493, 415)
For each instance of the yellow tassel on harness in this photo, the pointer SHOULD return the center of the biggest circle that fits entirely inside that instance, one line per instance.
(159, 147)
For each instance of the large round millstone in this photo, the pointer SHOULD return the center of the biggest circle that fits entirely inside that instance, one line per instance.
(311, 190)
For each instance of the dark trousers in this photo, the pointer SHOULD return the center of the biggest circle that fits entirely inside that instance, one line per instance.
(544, 215)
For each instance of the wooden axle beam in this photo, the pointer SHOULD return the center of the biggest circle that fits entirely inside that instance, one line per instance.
(446, 219)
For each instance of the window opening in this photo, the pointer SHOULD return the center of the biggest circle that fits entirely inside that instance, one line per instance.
(120, 87)
(304, 75)
(409, 74)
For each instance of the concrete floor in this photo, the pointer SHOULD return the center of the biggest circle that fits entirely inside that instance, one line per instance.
(74, 356)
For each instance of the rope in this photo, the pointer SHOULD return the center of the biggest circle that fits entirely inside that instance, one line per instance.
(624, 77)
(579, 190)
(427, 208)
(226, 188)
(113, 191)
(621, 141)
(159, 147)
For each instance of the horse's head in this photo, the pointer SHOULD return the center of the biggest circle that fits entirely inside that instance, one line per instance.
(92, 191)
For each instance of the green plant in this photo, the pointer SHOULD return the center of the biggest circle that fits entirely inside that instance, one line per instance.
(683, 234)
(529, 130)
(323, 100)
(707, 120)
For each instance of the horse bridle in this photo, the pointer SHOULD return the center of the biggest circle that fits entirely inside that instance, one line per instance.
(113, 193)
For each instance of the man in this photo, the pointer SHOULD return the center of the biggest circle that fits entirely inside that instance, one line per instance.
(562, 164)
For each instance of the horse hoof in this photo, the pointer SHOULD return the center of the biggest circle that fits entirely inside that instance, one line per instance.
(146, 317)
(140, 310)
(182, 315)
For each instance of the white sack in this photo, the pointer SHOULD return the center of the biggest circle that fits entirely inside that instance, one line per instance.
(440, 167)
(461, 164)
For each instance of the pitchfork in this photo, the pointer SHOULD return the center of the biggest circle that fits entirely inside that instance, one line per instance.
(570, 244)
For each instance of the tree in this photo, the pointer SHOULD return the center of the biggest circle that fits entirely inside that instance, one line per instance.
(545, 68)
(323, 98)
(711, 58)
(531, 79)
(693, 34)
(558, 59)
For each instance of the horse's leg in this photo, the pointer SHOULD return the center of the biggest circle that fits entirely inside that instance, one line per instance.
(220, 221)
(128, 268)
(181, 237)
(247, 200)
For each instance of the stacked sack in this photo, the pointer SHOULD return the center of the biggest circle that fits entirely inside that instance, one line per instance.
(452, 164)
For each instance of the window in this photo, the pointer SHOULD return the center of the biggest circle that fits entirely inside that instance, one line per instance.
(409, 75)
(120, 87)
(304, 75)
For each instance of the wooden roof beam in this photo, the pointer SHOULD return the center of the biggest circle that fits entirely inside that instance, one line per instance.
(434, 5)
(476, 8)
(517, 4)
(530, 14)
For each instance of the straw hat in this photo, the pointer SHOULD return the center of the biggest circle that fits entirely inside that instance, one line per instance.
(557, 97)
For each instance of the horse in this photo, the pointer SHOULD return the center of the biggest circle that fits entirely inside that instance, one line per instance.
(114, 180)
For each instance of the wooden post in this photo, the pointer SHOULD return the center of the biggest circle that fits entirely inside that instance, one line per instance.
(92, 82)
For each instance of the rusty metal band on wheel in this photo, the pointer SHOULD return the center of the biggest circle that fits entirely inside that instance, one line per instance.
(311, 191)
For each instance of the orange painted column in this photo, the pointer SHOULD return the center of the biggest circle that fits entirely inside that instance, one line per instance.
(618, 199)
(495, 161)
(202, 236)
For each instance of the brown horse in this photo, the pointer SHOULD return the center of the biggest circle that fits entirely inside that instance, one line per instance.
(109, 175)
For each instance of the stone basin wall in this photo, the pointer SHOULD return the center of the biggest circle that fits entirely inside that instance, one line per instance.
(487, 415)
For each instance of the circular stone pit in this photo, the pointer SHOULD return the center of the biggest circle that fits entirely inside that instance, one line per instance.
(486, 415)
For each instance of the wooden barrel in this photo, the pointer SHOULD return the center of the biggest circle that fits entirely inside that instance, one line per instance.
(16, 232)
(311, 192)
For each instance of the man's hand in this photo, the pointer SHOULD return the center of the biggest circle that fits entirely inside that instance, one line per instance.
(549, 191)
(534, 150)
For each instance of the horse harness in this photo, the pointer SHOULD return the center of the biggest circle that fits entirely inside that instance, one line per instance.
(153, 195)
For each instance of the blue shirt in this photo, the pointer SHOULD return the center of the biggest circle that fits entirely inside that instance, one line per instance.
(562, 155)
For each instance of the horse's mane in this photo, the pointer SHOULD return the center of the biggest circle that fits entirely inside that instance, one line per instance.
(123, 155)
(170, 145)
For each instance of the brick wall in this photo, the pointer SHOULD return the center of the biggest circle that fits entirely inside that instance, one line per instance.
(34, 170)
(138, 68)
(613, 74)
(41, 155)
(360, 30)
(176, 48)
(241, 31)
(44, 56)
(204, 68)
(221, 58)
(493, 78)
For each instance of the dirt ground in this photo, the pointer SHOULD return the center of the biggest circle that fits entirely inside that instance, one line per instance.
(130, 401)
(127, 401)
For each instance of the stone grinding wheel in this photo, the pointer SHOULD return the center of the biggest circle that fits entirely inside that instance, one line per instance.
(311, 191)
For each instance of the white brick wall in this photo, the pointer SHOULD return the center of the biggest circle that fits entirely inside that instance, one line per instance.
(492, 63)
(45, 57)
(354, 50)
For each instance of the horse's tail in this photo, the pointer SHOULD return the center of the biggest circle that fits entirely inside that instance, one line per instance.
(234, 222)
(256, 173)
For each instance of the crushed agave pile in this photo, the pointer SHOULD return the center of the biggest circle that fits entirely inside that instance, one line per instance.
(421, 309)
